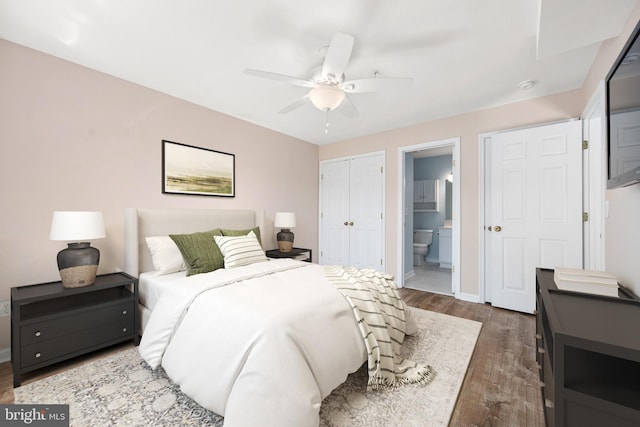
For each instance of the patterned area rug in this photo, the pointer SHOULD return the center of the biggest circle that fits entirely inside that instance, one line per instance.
(121, 390)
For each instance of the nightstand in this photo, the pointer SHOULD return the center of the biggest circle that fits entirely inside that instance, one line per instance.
(51, 323)
(300, 254)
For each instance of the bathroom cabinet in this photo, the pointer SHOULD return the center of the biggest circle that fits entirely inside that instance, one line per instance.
(425, 195)
(588, 354)
(445, 253)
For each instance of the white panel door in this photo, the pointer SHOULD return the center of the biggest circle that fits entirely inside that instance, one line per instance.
(536, 209)
(334, 213)
(351, 208)
(365, 216)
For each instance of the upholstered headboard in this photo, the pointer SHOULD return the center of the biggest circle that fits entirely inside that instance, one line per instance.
(140, 223)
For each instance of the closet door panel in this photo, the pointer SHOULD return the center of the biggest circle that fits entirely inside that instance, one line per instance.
(334, 213)
(365, 240)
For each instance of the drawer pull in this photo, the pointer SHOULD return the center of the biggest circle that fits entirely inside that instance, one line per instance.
(38, 333)
(124, 329)
(537, 336)
(38, 354)
(541, 350)
(548, 403)
(124, 312)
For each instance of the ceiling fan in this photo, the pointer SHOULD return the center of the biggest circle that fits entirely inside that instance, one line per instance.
(328, 84)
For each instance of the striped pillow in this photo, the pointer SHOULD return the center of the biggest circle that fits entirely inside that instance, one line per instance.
(240, 250)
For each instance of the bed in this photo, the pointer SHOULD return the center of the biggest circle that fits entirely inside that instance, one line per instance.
(261, 343)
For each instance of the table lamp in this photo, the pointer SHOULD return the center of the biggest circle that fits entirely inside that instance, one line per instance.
(78, 263)
(285, 221)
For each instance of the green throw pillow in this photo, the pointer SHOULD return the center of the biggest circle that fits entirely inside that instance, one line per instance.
(256, 231)
(199, 250)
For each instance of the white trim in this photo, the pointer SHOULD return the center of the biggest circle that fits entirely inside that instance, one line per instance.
(482, 139)
(456, 241)
(409, 275)
(468, 297)
(355, 156)
(5, 355)
(595, 180)
(384, 198)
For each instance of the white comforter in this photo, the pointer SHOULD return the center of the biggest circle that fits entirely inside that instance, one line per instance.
(261, 345)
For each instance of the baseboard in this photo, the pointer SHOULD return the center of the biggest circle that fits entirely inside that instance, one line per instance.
(409, 275)
(468, 297)
(5, 355)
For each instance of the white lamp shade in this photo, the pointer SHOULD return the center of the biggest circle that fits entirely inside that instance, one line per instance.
(326, 97)
(77, 226)
(285, 220)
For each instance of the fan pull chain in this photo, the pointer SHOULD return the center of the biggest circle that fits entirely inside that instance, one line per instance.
(326, 126)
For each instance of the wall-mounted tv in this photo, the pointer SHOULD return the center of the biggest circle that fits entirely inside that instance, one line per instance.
(623, 113)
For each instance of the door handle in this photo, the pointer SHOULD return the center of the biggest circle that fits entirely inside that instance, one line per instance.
(497, 229)
(346, 223)
(489, 228)
(351, 223)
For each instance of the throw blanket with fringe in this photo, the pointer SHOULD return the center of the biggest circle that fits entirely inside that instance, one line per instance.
(380, 313)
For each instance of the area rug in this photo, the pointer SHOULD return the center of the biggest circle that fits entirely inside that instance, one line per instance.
(121, 390)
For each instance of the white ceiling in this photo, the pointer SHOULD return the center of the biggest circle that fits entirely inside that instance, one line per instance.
(463, 55)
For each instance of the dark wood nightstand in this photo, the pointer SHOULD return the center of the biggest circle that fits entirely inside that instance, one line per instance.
(301, 254)
(51, 323)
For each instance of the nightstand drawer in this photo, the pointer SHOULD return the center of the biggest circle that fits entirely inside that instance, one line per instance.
(70, 323)
(66, 344)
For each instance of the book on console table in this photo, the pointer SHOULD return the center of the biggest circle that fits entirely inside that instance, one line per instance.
(588, 281)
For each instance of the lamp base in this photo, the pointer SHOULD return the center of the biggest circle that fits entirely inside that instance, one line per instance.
(77, 277)
(285, 240)
(78, 265)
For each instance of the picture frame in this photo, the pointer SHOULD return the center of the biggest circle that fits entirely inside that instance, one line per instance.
(191, 170)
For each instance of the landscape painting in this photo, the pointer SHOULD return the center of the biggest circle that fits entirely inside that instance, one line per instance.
(199, 171)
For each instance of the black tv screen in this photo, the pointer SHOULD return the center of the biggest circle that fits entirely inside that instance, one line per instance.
(623, 113)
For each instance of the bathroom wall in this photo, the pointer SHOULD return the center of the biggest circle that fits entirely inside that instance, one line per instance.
(439, 168)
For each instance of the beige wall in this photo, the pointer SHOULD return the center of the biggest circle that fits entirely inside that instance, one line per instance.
(76, 139)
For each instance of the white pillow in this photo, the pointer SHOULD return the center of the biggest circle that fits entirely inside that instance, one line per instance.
(165, 255)
(240, 250)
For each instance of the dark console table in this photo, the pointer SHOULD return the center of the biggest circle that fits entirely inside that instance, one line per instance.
(588, 352)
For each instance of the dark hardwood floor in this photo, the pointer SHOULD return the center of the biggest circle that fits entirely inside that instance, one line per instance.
(501, 387)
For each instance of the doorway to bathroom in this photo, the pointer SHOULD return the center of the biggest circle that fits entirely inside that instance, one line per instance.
(429, 221)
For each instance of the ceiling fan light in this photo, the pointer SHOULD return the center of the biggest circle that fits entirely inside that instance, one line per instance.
(326, 97)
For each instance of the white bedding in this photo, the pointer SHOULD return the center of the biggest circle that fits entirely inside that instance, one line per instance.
(261, 344)
(151, 286)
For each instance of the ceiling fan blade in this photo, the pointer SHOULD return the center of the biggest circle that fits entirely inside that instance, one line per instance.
(337, 56)
(280, 77)
(347, 109)
(295, 104)
(376, 84)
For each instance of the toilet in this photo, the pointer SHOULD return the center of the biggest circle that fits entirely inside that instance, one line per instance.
(421, 241)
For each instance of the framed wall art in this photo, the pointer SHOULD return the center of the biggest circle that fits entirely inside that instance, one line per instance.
(197, 171)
